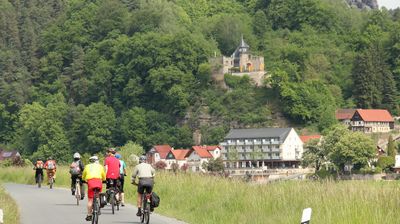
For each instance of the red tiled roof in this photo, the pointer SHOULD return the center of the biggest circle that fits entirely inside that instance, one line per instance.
(163, 150)
(211, 147)
(202, 151)
(375, 115)
(306, 138)
(344, 114)
(180, 154)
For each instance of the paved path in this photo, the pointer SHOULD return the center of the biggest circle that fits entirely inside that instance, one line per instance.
(58, 206)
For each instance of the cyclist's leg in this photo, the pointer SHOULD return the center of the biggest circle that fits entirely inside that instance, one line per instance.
(140, 192)
(121, 189)
(73, 182)
(82, 187)
(92, 184)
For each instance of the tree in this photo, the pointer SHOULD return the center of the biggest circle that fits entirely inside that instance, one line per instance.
(215, 165)
(345, 147)
(314, 154)
(130, 152)
(391, 148)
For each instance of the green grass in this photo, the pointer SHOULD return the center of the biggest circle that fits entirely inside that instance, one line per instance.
(10, 209)
(203, 199)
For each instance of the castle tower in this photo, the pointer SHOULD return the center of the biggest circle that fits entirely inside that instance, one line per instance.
(241, 57)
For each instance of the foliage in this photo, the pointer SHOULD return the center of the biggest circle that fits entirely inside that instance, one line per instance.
(314, 155)
(391, 148)
(130, 153)
(160, 165)
(385, 162)
(85, 75)
(214, 165)
(344, 147)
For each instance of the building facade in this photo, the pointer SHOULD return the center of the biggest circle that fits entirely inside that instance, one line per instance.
(372, 121)
(262, 148)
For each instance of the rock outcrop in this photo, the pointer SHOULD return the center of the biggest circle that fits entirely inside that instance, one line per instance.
(364, 4)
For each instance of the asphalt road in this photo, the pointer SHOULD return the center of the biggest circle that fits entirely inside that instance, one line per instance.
(57, 205)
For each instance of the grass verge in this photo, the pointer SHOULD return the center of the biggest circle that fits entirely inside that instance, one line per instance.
(204, 199)
(10, 208)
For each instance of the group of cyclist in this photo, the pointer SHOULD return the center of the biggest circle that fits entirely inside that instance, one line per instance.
(94, 174)
(50, 167)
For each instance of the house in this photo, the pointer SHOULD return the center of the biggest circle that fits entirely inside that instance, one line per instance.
(307, 138)
(261, 148)
(177, 156)
(241, 62)
(372, 121)
(9, 154)
(345, 115)
(197, 156)
(158, 153)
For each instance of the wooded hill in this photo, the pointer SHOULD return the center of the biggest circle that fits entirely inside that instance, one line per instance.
(80, 75)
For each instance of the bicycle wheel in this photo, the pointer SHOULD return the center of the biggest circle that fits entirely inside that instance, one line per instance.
(112, 202)
(39, 180)
(77, 192)
(95, 215)
(51, 182)
(118, 200)
(147, 213)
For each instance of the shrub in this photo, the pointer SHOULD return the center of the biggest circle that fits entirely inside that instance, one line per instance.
(160, 165)
(385, 162)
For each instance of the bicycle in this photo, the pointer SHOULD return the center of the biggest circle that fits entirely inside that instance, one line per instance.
(51, 179)
(96, 206)
(112, 194)
(146, 207)
(78, 191)
(39, 180)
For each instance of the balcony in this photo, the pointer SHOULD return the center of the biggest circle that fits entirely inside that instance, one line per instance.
(223, 144)
(257, 142)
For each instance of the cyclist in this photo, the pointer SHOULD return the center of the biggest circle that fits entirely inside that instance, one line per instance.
(51, 169)
(122, 174)
(111, 165)
(145, 172)
(39, 165)
(76, 169)
(93, 175)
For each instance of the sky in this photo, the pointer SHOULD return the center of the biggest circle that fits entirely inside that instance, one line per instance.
(389, 4)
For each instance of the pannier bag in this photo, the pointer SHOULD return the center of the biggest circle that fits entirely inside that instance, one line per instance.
(103, 199)
(155, 200)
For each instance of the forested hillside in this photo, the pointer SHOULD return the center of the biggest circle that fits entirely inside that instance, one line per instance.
(80, 75)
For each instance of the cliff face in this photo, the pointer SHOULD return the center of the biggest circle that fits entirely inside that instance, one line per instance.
(364, 4)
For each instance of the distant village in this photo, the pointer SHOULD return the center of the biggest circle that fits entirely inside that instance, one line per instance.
(264, 150)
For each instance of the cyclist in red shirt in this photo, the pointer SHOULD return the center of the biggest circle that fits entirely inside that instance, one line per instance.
(111, 165)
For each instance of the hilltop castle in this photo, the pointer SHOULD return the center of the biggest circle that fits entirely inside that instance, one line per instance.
(240, 63)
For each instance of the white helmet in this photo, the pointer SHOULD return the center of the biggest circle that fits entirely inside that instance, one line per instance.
(93, 159)
(77, 155)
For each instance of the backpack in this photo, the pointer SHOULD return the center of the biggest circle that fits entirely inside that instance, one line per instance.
(51, 165)
(74, 168)
(155, 200)
(39, 165)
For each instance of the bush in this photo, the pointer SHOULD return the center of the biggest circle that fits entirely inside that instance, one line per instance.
(385, 162)
(160, 165)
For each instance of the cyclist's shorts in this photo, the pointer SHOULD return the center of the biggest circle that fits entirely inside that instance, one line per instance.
(94, 183)
(145, 184)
